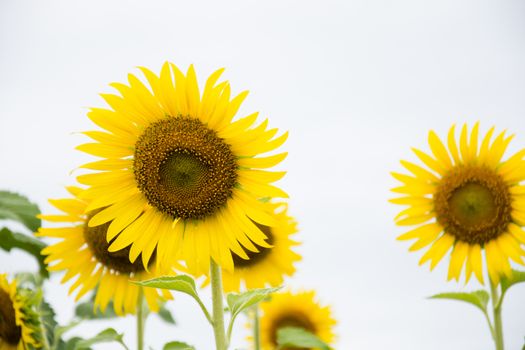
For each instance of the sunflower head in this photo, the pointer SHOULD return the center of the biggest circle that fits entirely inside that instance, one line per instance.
(19, 320)
(179, 170)
(295, 310)
(267, 265)
(468, 199)
(83, 252)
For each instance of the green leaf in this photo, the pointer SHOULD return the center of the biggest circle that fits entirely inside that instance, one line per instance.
(181, 283)
(106, 336)
(478, 298)
(177, 345)
(31, 245)
(515, 278)
(48, 315)
(86, 310)
(239, 302)
(18, 208)
(293, 337)
(165, 315)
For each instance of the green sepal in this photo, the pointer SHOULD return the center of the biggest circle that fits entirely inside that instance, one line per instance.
(31, 245)
(478, 298)
(16, 207)
(177, 345)
(295, 337)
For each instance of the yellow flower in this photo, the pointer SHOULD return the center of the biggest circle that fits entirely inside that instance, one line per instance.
(19, 323)
(82, 252)
(266, 266)
(467, 199)
(295, 310)
(178, 172)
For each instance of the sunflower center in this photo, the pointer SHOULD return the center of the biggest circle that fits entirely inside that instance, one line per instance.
(95, 238)
(9, 331)
(184, 168)
(473, 204)
(292, 320)
(255, 257)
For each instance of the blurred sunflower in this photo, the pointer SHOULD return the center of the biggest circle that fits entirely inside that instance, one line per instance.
(467, 199)
(19, 322)
(266, 266)
(179, 173)
(83, 252)
(294, 310)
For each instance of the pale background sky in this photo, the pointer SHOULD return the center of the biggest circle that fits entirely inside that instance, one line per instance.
(356, 82)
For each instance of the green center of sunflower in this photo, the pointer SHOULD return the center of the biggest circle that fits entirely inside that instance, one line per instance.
(473, 204)
(297, 320)
(9, 331)
(95, 238)
(184, 168)
(255, 257)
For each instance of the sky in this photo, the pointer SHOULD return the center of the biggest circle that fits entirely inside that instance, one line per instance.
(357, 83)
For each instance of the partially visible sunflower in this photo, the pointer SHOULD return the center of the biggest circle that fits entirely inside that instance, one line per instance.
(266, 266)
(179, 173)
(467, 199)
(83, 253)
(295, 310)
(19, 322)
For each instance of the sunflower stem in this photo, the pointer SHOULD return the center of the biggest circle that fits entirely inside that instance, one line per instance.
(218, 308)
(496, 308)
(140, 320)
(256, 328)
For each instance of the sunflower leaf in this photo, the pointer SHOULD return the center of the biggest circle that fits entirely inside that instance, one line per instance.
(242, 301)
(31, 245)
(87, 311)
(165, 315)
(16, 207)
(106, 336)
(478, 298)
(294, 337)
(181, 283)
(177, 345)
(515, 278)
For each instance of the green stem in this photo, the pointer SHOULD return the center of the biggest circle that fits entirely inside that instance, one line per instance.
(256, 329)
(218, 308)
(140, 320)
(496, 308)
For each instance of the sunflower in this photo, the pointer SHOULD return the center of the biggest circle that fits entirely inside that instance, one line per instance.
(178, 172)
(83, 253)
(295, 310)
(19, 322)
(266, 266)
(467, 199)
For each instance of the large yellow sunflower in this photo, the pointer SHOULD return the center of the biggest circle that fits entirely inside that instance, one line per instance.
(295, 310)
(266, 266)
(82, 252)
(19, 322)
(467, 199)
(179, 173)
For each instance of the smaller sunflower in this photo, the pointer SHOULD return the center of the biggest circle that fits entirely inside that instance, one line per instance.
(295, 310)
(83, 253)
(19, 322)
(266, 266)
(466, 199)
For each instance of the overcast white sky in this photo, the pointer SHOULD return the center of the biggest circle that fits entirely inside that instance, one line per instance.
(356, 82)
